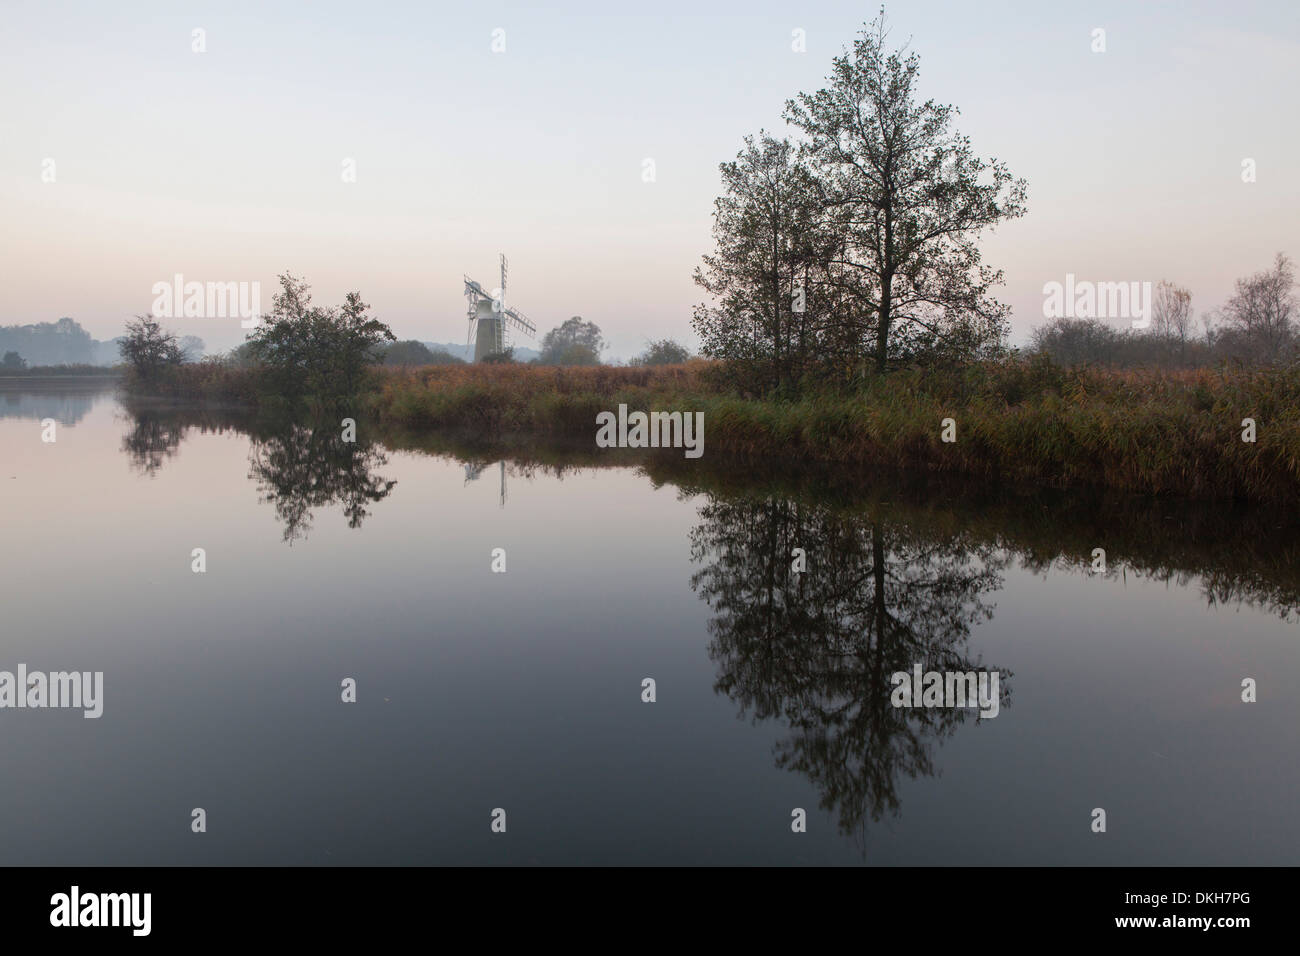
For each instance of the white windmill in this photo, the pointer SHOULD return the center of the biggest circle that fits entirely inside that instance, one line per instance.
(490, 322)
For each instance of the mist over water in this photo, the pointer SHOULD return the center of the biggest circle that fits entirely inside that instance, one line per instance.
(522, 690)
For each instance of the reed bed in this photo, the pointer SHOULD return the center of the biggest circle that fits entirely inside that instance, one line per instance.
(1024, 419)
(1156, 432)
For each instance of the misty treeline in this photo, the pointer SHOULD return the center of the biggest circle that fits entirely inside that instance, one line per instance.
(60, 343)
(1258, 325)
(64, 346)
(579, 341)
(325, 354)
(851, 248)
(412, 352)
(63, 342)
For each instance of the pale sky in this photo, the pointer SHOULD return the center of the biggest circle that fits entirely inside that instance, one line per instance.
(226, 165)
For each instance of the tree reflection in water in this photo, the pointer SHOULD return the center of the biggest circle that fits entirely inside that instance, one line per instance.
(816, 649)
(299, 468)
(153, 438)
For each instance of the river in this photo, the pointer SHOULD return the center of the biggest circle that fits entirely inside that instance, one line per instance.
(377, 564)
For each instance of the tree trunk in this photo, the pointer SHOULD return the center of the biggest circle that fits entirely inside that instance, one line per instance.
(882, 327)
(886, 287)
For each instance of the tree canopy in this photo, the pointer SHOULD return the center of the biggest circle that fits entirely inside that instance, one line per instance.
(575, 342)
(1262, 312)
(662, 352)
(310, 350)
(853, 247)
(149, 349)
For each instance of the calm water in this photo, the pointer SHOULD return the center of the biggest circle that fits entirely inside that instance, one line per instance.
(478, 690)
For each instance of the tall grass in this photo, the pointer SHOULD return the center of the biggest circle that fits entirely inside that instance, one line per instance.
(1158, 432)
(493, 400)
(207, 381)
(1019, 420)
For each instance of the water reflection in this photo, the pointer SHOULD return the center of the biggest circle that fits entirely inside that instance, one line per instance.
(900, 571)
(299, 468)
(1235, 554)
(67, 405)
(474, 470)
(296, 467)
(816, 649)
(152, 439)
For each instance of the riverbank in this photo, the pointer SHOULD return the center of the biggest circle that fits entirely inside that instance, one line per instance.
(1239, 553)
(63, 375)
(1174, 433)
(1164, 433)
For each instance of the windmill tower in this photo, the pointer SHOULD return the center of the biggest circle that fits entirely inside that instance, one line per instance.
(490, 322)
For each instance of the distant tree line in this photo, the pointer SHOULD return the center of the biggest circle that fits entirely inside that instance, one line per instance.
(1258, 325)
(63, 342)
(301, 351)
(578, 341)
(64, 345)
(60, 343)
(412, 352)
(662, 352)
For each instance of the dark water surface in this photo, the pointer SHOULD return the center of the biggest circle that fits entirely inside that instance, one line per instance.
(522, 691)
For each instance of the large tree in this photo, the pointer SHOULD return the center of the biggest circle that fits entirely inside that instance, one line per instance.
(909, 198)
(767, 227)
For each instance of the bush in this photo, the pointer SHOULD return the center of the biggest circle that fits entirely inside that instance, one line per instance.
(309, 351)
(663, 352)
(149, 351)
